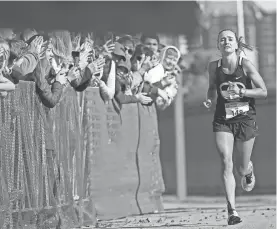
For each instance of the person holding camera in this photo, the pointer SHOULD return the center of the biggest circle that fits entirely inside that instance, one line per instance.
(122, 82)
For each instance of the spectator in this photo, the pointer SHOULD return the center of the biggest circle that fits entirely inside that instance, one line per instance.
(151, 41)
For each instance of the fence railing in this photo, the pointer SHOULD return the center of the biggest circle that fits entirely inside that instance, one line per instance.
(106, 165)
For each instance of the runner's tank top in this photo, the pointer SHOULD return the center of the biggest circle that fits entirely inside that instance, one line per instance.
(233, 109)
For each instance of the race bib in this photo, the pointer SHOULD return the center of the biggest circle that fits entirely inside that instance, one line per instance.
(235, 108)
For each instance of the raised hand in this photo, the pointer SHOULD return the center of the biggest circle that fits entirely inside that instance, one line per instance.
(97, 66)
(61, 76)
(36, 45)
(73, 74)
(83, 61)
(108, 47)
(43, 49)
(147, 63)
(76, 43)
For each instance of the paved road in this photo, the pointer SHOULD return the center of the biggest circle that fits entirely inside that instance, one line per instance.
(257, 212)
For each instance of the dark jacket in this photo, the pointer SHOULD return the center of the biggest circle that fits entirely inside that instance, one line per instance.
(50, 95)
(80, 84)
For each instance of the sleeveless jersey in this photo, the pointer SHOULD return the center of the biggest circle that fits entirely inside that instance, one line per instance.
(231, 109)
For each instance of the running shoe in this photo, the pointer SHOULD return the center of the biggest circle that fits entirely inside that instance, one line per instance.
(233, 218)
(248, 181)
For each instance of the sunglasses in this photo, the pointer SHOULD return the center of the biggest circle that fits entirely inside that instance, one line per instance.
(130, 51)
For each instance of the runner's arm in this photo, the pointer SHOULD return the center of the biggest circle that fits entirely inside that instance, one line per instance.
(260, 91)
(211, 94)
